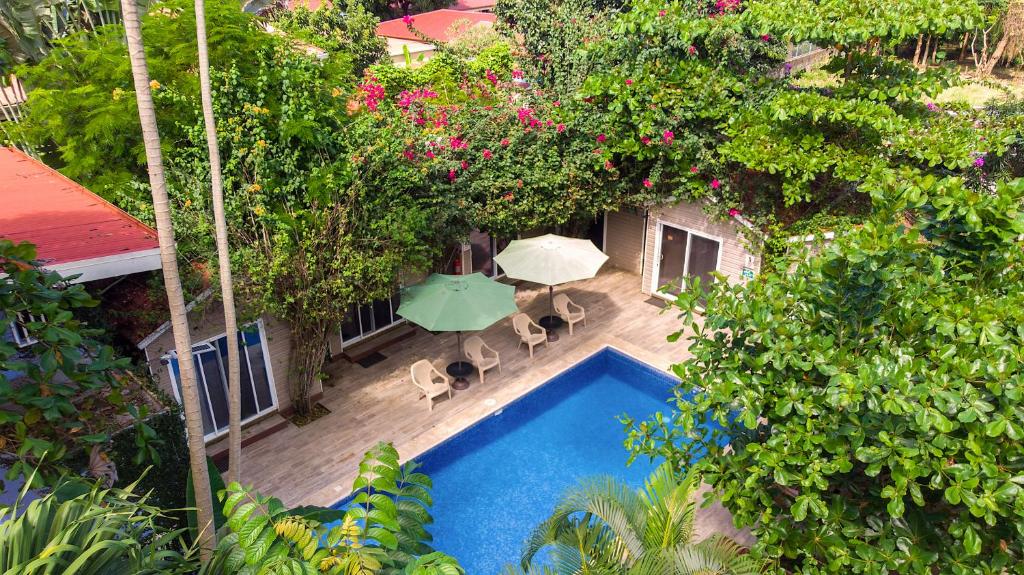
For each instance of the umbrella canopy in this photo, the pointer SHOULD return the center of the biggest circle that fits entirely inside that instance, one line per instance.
(457, 303)
(551, 260)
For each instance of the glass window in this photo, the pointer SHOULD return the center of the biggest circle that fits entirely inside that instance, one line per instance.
(480, 248)
(683, 254)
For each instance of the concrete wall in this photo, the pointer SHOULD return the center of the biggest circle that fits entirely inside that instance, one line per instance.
(735, 254)
(207, 321)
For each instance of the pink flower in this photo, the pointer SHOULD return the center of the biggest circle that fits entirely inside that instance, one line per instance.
(629, 82)
(692, 49)
(608, 165)
(601, 138)
(668, 137)
(487, 154)
(931, 106)
(979, 162)
(662, 13)
(715, 184)
(492, 77)
(597, 151)
(407, 20)
(560, 128)
(647, 183)
(525, 115)
(409, 154)
(766, 38)
(456, 143)
(504, 141)
(556, 103)
(517, 74)
(694, 169)
(451, 176)
(430, 154)
(549, 123)
(464, 165)
(733, 212)
(645, 140)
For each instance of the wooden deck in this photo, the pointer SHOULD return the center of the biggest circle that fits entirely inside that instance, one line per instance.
(316, 464)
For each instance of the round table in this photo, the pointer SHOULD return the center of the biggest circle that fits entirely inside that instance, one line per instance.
(551, 323)
(459, 370)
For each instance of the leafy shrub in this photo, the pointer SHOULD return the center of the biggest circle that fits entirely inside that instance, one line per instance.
(872, 395)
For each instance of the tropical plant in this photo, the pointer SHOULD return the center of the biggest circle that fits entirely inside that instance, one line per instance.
(27, 28)
(872, 394)
(223, 256)
(341, 28)
(382, 531)
(604, 526)
(65, 393)
(84, 529)
(172, 283)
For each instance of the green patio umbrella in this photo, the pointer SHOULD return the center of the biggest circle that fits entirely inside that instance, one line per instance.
(551, 260)
(457, 303)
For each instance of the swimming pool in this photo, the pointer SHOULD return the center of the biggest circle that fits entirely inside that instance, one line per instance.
(495, 481)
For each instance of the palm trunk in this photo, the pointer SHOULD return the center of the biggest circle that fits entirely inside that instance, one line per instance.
(223, 257)
(172, 281)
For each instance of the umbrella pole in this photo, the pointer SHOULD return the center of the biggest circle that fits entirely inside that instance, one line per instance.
(551, 302)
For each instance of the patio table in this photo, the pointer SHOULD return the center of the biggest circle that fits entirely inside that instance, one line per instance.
(459, 370)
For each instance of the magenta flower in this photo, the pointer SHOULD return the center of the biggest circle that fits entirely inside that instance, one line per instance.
(979, 162)
(456, 143)
(409, 154)
(504, 141)
(766, 38)
(645, 140)
(668, 137)
(407, 20)
(629, 82)
(487, 154)
(608, 165)
(556, 103)
(451, 176)
(661, 13)
(517, 74)
(733, 212)
(491, 77)
(931, 106)
(647, 183)
(560, 128)
(601, 138)
(692, 49)
(464, 165)
(430, 154)
(694, 169)
(715, 184)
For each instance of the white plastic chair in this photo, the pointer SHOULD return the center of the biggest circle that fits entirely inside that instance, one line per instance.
(523, 326)
(475, 351)
(569, 311)
(423, 375)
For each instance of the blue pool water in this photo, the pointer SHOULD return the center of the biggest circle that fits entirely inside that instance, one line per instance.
(494, 482)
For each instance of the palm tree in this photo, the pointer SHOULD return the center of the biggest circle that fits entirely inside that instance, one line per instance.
(223, 258)
(172, 281)
(603, 526)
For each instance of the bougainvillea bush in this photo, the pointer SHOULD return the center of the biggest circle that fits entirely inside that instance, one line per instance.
(871, 395)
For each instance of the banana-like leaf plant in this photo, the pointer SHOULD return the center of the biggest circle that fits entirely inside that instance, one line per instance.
(382, 532)
(84, 529)
(604, 527)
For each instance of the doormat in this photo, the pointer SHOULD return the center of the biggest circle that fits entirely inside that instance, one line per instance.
(372, 359)
(657, 302)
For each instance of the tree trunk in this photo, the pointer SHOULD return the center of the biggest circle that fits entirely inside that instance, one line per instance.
(310, 341)
(917, 50)
(996, 55)
(923, 63)
(963, 47)
(172, 281)
(223, 257)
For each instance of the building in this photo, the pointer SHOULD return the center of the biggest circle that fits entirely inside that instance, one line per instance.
(665, 243)
(415, 44)
(474, 5)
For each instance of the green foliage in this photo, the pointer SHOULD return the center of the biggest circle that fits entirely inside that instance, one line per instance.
(382, 532)
(163, 473)
(871, 395)
(844, 24)
(82, 529)
(346, 28)
(27, 28)
(603, 526)
(81, 103)
(62, 393)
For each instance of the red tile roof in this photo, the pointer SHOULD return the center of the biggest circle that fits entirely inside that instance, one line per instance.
(65, 221)
(434, 25)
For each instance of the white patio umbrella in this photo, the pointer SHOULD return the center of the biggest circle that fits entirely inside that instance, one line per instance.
(551, 260)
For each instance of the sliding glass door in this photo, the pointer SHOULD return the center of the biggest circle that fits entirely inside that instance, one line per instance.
(367, 319)
(210, 359)
(483, 247)
(683, 254)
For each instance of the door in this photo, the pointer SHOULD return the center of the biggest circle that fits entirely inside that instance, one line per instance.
(672, 263)
(683, 254)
